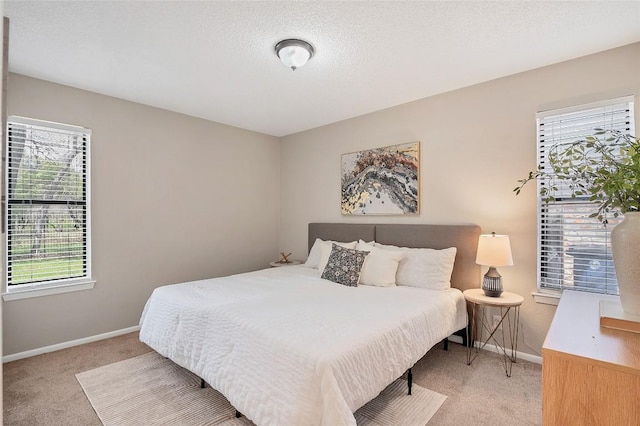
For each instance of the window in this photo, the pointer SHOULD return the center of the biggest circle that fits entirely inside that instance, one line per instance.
(574, 250)
(47, 205)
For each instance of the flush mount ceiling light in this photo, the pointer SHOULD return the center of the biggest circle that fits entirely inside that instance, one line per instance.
(294, 53)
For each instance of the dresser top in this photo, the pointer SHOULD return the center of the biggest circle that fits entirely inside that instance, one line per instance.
(576, 331)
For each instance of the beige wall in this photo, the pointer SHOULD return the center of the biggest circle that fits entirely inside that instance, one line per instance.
(3, 70)
(174, 198)
(177, 198)
(476, 143)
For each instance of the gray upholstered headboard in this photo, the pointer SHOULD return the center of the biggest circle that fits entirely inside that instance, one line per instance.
(466, 274)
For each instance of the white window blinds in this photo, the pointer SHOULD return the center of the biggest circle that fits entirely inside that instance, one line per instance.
(574, 249)
(47, 212)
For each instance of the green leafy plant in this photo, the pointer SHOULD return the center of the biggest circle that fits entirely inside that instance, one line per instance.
(604, 167)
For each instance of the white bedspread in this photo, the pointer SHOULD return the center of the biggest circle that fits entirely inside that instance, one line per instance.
(289, 348)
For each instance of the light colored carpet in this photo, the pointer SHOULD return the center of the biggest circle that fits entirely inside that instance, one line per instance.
(152, 390)
(43, 390)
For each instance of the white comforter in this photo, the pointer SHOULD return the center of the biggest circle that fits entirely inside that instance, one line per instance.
(289, 348)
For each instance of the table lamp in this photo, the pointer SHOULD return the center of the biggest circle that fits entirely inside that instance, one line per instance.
(493, 250)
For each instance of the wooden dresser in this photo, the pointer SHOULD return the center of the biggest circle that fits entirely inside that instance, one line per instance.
(590, 375)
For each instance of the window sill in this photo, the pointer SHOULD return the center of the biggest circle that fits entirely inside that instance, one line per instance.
(47, 291)
(547, 298)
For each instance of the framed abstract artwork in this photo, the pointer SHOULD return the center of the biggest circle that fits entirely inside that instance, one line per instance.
(382, 181)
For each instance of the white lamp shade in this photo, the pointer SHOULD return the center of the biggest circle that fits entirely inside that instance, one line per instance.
(294, 53)
(494, 250)
(294, 56)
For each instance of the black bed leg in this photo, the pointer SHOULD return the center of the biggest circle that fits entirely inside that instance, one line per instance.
(409, 380)
(238, 414)
(446, 343)
(202, 384)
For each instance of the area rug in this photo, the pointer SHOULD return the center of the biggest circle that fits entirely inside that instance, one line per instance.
(151, 390)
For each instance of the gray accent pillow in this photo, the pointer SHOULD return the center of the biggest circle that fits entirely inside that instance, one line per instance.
(344, 265)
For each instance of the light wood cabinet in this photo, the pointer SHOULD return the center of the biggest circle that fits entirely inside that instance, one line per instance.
(590, 374)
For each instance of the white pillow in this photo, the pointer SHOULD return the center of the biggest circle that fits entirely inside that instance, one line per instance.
(314, 255)
(424, 267)
(380, 266)
(324, 250)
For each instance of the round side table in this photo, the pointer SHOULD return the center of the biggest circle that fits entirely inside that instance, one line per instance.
(289, 263)
(507, 302)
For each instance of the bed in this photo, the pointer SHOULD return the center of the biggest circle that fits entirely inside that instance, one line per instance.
(285, 346)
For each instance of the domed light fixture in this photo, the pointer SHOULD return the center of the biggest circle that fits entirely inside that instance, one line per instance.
(294, 53)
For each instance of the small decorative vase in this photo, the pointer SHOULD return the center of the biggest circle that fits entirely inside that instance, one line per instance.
(625, 247)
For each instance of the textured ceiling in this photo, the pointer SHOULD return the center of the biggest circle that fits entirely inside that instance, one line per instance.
(215, 60)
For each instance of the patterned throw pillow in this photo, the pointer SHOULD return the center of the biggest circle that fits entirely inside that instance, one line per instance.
(344, 265)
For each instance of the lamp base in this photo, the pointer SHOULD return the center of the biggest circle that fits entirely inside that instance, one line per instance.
(490, 293)
(492, 283)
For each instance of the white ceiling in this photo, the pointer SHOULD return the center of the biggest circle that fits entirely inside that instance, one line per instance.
(215, 60)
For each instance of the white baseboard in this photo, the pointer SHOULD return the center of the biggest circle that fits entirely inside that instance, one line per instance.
(69, 344)
(38, 351)
(519, 355)
(456, 339)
